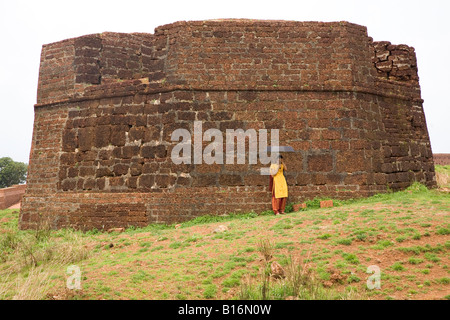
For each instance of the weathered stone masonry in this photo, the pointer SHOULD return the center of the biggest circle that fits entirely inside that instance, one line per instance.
(108, 103)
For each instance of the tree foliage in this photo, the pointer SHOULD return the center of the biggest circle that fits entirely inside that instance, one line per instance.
(12, 172)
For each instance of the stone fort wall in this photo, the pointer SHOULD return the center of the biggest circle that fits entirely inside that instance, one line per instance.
(108, 103)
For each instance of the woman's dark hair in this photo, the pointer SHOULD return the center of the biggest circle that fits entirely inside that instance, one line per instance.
(280, 156)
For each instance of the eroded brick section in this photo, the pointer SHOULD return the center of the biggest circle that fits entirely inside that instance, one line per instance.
(108, 104)
(396, 62)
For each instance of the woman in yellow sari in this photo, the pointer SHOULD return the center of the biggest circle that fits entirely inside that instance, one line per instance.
(278, 186)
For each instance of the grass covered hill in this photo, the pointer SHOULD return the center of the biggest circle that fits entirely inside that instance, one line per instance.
(316, 253)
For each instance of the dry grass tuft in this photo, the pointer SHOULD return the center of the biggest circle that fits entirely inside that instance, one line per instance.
(443, 176)
(298, 283)
(26, 254)
(266, 247)
(443, 179)
(34, 286)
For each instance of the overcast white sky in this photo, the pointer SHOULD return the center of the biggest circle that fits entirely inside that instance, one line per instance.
(26, 25)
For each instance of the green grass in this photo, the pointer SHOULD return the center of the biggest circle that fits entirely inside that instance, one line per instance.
(351, 258)
(161, 262)
(398, 266)
(444, 280)
(283, 225)
(382, 244)
(210, 291)
(427, 248)
(281, 245)
(353, 278)
(431, 257)
(416, 236)
(234, 279)
(345, 242)
(141, 276)
(413, 260)
(206, 219)
(443, 231)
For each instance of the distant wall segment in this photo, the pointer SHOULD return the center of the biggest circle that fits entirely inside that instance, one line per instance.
(442, 159)
(11, 195)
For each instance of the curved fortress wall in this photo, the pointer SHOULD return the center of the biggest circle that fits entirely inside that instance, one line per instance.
(108, 103)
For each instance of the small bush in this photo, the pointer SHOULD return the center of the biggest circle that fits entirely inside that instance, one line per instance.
(416, 236)
(361, 236)
(443, 231)
(431, 257)
(210, 291)
(175, 245)
(413, 260)
(398, 266)
(385, 243)
(353, 278)
(350, 257)
(289, 208)
(444, 280)
(345, 242)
